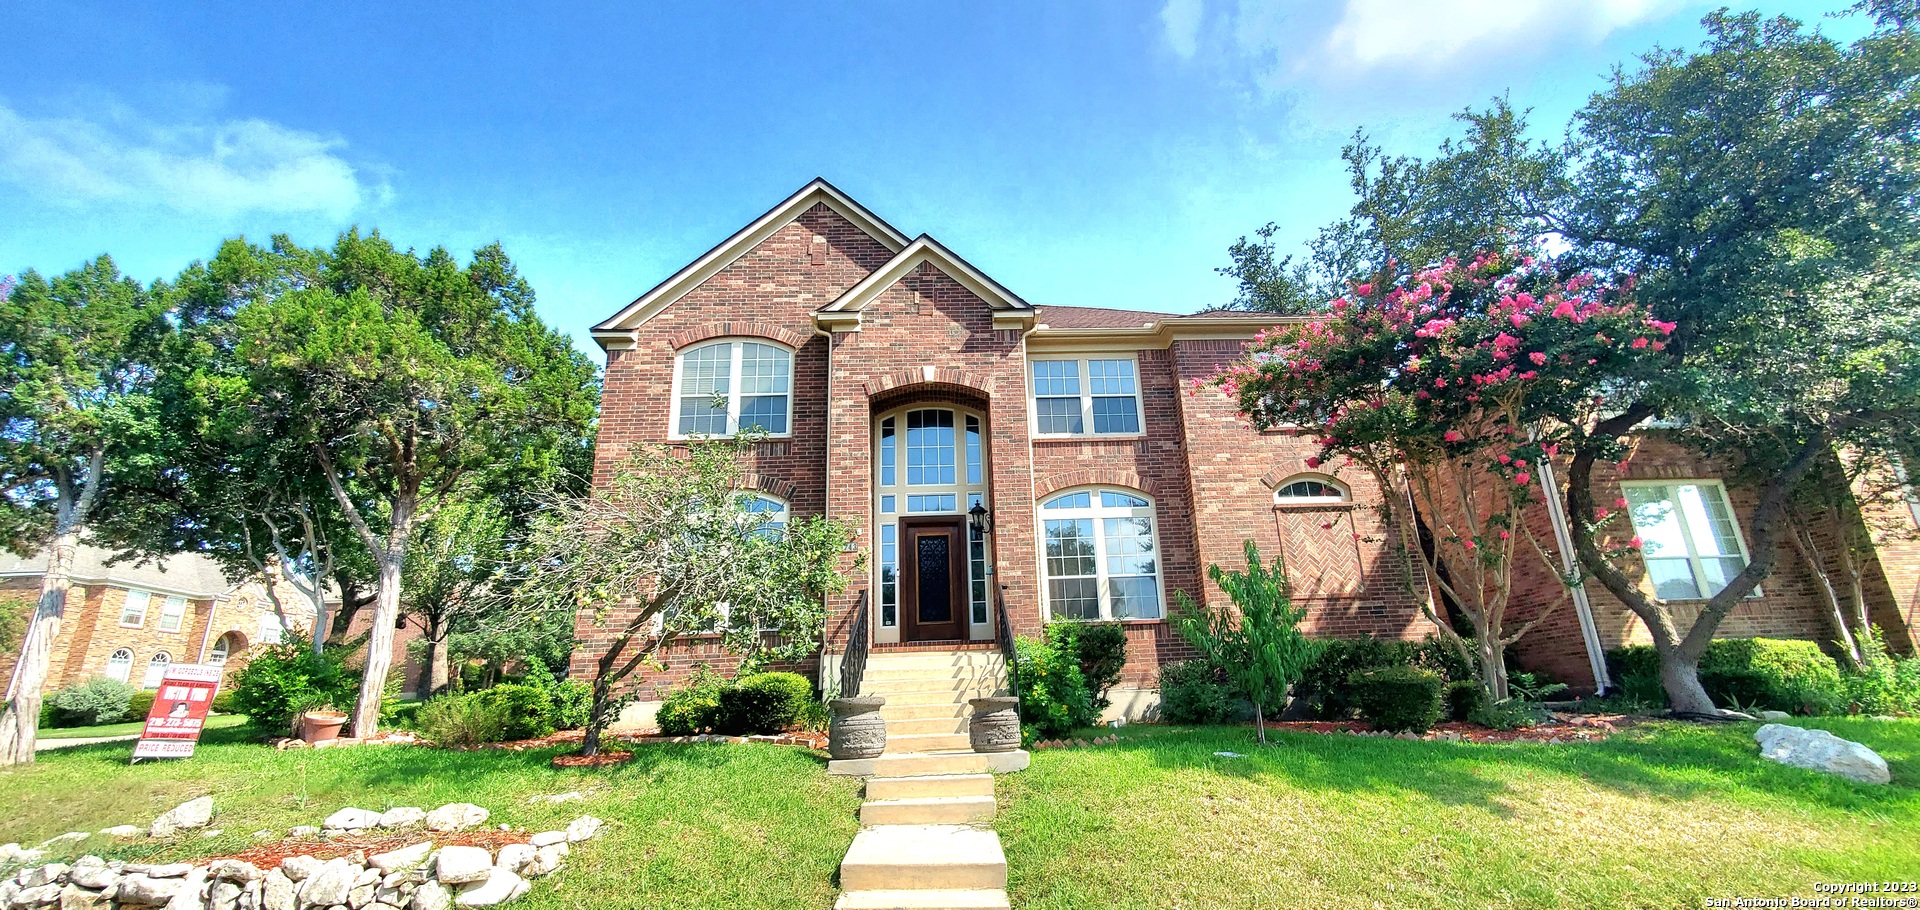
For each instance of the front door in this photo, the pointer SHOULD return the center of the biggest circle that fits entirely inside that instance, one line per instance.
(934, 579)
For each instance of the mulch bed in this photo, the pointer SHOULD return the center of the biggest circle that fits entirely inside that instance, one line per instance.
(1560, 728)
(576, 760)
(269, 855)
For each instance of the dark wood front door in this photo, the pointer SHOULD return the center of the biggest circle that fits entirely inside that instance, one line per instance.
(934, 579)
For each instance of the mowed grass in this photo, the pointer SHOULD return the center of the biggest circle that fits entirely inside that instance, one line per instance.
(688, 826)
(1664, 815)
(216, 722)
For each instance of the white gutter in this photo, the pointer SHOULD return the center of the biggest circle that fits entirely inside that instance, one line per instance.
(1563, 535)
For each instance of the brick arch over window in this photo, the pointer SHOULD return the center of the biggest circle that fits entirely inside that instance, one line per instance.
(767, 483)
(1094, 477)
(696, 334)
(1299, 471)
(936, 378)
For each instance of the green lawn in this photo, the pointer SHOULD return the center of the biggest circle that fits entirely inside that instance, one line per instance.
(689, 826)
(216, 722)
(1661, 816)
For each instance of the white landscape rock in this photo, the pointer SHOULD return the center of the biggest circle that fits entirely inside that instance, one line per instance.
(545, 860)
(456, 817)
(122, 831)
(404, 858)
(330, 885)
(191, 886)
(402, 817)
(514, 857)
(233, 870)
(194, 813)
(145, 891)
(352, 819)
(432, 896)
(1819, 750)
(299, 868)
(499, 887)
(69, 836)
(460, 865)
(549, 837)
(276, 891)
(583, 828)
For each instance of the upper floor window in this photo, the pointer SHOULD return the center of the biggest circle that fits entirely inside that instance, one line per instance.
(133, 614)
(173, 614)
(723, 387)
(1095, 396)
(1102, 558)
(1308, 491)
(272, 628)
(1688, 537)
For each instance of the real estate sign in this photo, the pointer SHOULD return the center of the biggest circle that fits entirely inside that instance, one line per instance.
(179, 711)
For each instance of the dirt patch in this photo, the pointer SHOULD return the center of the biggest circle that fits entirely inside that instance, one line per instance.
(1558, 728)
(576, 760)
(268, 856)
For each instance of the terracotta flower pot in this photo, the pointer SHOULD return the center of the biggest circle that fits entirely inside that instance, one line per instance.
(857, 730)
(995, 724)
(322, 726)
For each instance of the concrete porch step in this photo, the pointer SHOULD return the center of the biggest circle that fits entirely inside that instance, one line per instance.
(888, 687)
(974, 899)
(926, 742)
(897, 727)
(900, 699)
(932, 763)
(930, 786)
(954, 710)
(928, 810)
(924, 858)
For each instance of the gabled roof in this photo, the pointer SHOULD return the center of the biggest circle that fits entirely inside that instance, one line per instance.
(189, 575)
(926, 249)
(816, 192)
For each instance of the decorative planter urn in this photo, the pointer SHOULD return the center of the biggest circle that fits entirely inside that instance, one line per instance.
(857, 730)
(995, 725)
(322, 726)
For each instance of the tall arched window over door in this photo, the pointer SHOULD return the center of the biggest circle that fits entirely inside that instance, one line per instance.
(930, 463)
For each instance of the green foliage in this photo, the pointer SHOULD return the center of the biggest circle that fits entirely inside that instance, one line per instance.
(97, 701)
(764, 703)
(814, 717)
(1100, 648)
(1326, 679)
(463, 720)
(1466, 698)
(1398, 698)
(693, 708)
(1258, 644)
(141, 704)
(1193, 692)
(526, 712)
(1533, 687)
(1885, 684)
(1054, 699)
(1773, 673)
(280, 681)
(570, 702)
(1508, 714)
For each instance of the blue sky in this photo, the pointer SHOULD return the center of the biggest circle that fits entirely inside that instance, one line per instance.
(1100, 154)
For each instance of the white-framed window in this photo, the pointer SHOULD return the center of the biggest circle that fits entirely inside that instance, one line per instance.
(223, 648)
(723, 387)
(272, 630)
(1101, 556)
(1296, 491)
(120, 665)
(1689, 540)
(771, 515)
(1095, 396)
(133, 614)
(173, 614)
(156, 670)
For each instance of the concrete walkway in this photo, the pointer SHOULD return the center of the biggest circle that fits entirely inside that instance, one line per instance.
(43, 745)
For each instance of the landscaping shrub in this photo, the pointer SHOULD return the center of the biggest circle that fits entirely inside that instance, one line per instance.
(1885, 684)
(1774, 673)
(1510, 714)
(463, 720)
(1193, 692)
(572, 701)
(1101, 650)
(1053, 694)
(1398, 698)
(525, 711)
(1326, 679)
(285, 679)
(97, 701)
(763, 703)
(223, 703)
(814, 717)
(694, 708)
(1466, 698)
(140, 705)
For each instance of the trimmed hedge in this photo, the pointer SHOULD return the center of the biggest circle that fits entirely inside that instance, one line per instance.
(1776, 673)
(526, 712)
(1326, 680)
(1398, 699)
(763, 703)
(1466, 699)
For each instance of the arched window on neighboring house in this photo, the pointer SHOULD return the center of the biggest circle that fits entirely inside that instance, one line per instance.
(224, 647)
(156, 670)
(120, 665)
(1296, 491)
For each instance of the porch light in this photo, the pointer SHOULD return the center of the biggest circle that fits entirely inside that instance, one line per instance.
(979, 519)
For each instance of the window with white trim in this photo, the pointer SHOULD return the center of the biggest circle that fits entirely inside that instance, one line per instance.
(120, 665)
(1689, 540)
(272, 629)
(767, 514)
(1295, 491)
(1091, 397)
(133, 614)
(723, 387)
(223, 648)
(173, 614)
(156, 670)
(1101, 556)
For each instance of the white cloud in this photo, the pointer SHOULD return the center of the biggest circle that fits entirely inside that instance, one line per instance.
(1396, 33)
(1182, 21)
(198, 166)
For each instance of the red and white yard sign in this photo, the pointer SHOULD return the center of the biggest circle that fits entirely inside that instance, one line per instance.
(179, 711)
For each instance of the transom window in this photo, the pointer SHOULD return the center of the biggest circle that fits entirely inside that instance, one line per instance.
(723, 387)
(1689, 540)
(133, 614)
(173, 614)
(120, 665)
(223, 648)
(1306, 490)
(1102, 558)
(1086, 397)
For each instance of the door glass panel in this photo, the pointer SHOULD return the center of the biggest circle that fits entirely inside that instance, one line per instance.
(935, 581)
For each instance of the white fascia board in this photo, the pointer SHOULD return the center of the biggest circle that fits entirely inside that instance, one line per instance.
(927, 249)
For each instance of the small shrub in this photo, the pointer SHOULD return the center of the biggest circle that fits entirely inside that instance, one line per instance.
(572, 701)
(1511, 714)
(97, 701)
(1398, 698)
(1101, 650)
(141, 704)
(763, 703)
(223, 703)
(524, 710)
(1885, 684)
(1053, 695)
(1193, 692)
(1326, 680)
(1465, 698)
(463, 720)
(1533, 687)
(283, 680)
(694, 708)
(814, 717)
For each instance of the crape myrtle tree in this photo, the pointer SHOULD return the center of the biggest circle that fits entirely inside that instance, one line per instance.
(76, 355)
(668, 547)
(1448, 387)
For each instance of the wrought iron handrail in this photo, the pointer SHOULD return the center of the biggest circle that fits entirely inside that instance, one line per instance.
(1004, 635)
(854, 665)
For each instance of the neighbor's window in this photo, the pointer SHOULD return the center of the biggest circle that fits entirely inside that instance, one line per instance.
(723, 387)
(1086, 397)
(1689, 541)
(223, 648)
(156, 670)
(134, 614)
(272, 630)
(1101, 559)
(1307, 491)
(120, 665)
(172, 613)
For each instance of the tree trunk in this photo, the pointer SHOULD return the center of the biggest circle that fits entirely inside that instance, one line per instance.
(1802, 539)
(1493, 662)
(1680, 676)
(597, 719)
(20, 721)
(386, 609)
(1259, 722)
(439, 674)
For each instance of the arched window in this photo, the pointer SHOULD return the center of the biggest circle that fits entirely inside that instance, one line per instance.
(156, 670)
(1102, 557)
(771, 512)
(1309, 490)
(224, 647)
(120, 665)
(723, 387)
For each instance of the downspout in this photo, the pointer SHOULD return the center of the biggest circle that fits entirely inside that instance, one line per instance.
(826, 498)
(1563, 535)
(1033, 492)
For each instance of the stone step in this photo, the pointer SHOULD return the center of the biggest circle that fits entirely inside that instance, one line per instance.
(932, 763)
(923, 858)
(982, 658)
(975, 899)
(926, 697)
(928, 810)
(926, 725)
(930, 786)
(944, 710)
(927, 742)
(888, 687)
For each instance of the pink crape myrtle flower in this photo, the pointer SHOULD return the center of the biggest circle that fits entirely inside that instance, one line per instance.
(1635, 542)
(1522, 478)
(1452, 436)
